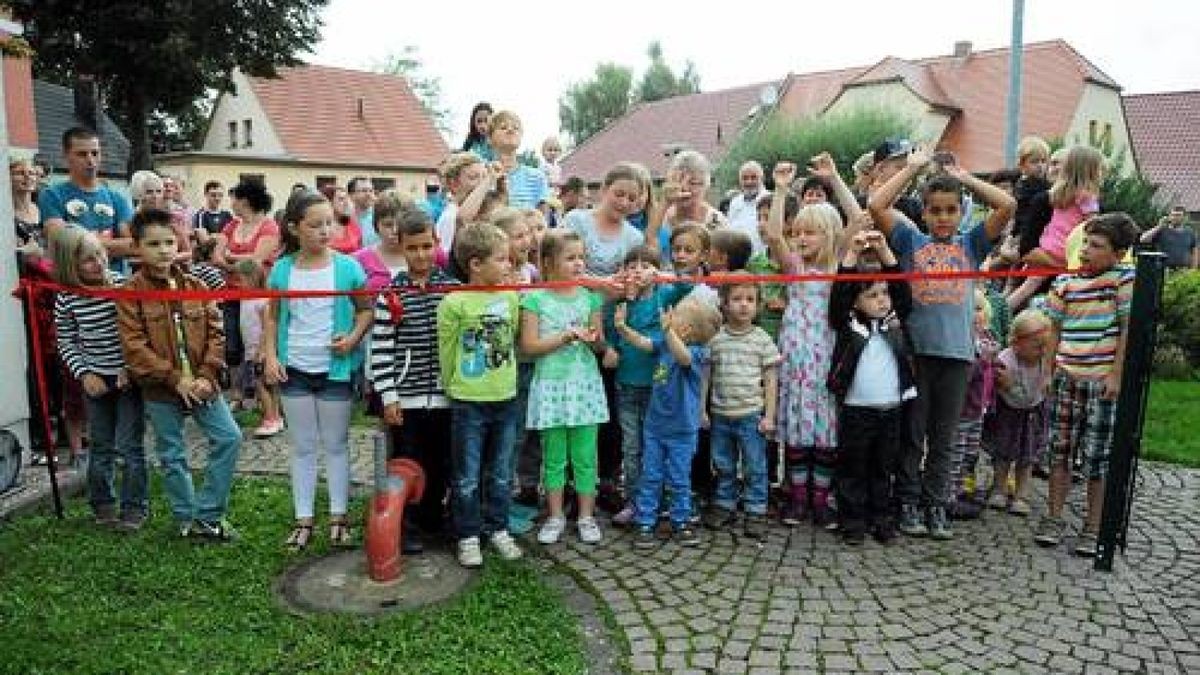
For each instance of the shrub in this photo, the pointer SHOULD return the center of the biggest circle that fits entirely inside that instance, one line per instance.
(845, 137)
(1171, 363)
(1180, 315)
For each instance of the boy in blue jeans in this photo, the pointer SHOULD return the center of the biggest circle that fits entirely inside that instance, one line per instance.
(672, 425)
(174, 351)
(476, 336)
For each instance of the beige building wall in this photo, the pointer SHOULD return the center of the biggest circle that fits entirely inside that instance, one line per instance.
(196, 169)
(237, 108)
(897, 97)
(1100, 121)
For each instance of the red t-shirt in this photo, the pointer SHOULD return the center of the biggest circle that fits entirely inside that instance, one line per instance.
(266, 228)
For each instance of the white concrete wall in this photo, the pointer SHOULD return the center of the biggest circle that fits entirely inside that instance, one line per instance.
(1103, 106)
(238, 107)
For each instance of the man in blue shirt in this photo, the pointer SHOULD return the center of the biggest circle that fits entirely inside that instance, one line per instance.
(362, 194)
(83, 200)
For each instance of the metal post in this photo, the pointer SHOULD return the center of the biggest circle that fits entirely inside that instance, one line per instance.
(1131, 407)
(1012, 125)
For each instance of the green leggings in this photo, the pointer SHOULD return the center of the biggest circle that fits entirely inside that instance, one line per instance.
(579, 443)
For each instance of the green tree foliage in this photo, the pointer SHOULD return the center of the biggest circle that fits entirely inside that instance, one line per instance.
(588, 107)
(428, 89)
(780, 138)
(159, 58)
(659, 81)
(1179, 329)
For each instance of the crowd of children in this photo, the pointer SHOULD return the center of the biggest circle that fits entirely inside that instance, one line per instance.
(860, 405)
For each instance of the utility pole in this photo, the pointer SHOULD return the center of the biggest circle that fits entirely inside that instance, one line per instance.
(1013, 118)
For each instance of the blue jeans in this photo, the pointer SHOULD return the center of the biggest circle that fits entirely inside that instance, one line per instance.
(224, 442)
(481, 445)
(666, 460)
(116, 426)
(731, 437)
(632, 402)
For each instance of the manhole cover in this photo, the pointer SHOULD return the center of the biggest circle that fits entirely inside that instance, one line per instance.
(339, 583)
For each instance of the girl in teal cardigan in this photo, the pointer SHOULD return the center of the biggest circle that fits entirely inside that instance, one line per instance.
(311, 350)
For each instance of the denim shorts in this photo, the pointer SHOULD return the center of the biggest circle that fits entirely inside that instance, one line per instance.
(300, 383)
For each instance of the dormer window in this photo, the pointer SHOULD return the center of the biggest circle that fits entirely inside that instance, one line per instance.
(247, 133)
(233, 135)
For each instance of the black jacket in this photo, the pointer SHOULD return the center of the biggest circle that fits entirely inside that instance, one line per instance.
(853, 333)
(1033, 211)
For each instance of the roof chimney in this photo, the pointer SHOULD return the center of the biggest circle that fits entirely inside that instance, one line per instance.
(962, 49)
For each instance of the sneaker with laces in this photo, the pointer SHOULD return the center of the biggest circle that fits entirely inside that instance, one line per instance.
(910, 521)
(551, 530)
(215, 530)
(589, 531)
(645, 537)
(623, 517)
(1049, 531)
(684, 535)
(269, 428)
(469, 555)
(505, 546)
(939, 524)
(1085, 545)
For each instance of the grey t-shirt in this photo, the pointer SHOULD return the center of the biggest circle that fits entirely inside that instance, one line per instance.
(1177, 243)
(605, 254)
(943, 311)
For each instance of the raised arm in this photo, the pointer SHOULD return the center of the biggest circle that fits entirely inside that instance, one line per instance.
(783, 174)
(469, 208)
(880, 203)
(634, 338)
(824, 167)
(1001, 203)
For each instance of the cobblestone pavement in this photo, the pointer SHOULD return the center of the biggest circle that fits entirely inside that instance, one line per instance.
(989, 601)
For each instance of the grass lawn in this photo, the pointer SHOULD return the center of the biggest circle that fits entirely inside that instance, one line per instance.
(76, 599)
(1172, 430)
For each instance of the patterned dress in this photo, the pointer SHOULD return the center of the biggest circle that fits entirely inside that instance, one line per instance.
(566, 390)
(807, 409)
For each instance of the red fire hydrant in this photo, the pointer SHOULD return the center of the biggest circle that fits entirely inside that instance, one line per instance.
(398, 483)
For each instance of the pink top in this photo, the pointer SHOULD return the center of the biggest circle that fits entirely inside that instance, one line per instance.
(1062, 221)
(350, 240)
(379, 274)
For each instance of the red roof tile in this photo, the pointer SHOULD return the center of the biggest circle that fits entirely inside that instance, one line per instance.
(974, 87)
(315, 111)
(1165, 129)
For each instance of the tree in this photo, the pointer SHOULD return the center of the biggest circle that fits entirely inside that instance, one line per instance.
(659, 81)
(159, 58)
(428, 89)
(588, 107)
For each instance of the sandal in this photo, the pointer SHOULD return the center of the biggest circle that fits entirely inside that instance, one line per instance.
(340, 534)
(298, 539)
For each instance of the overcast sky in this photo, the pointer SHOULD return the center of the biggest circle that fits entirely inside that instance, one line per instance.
(523, 56)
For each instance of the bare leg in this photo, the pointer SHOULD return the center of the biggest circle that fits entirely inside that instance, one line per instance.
(1095, 505)
(1024, 473)
(1060, 484)
(1000, 477)
(587, 505)
(554, 502)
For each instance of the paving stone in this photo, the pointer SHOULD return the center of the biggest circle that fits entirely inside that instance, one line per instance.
(840, 662)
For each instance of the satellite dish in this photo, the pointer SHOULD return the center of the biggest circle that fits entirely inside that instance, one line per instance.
(768, 96)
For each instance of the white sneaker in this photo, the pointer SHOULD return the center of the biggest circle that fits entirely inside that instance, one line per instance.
(589, 531)
(998, 500)
(505, 546)
(469, 554)
(552, 528)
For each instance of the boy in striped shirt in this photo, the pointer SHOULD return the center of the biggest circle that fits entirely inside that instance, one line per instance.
(1090, 314)
(404, 367)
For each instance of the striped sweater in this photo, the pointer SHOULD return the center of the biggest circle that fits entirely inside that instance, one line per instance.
(86, 331)
(1090, 311)
(404, 352)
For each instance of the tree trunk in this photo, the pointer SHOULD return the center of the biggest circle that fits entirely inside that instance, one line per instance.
(139, 131)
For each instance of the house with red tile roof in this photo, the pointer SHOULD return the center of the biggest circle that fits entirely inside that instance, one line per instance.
(957, 102)
(315, 125)
(1166, 140)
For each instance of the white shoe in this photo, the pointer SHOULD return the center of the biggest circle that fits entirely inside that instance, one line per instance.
(505, 546)
(469, 554)
(589, 531)
(998, 500)
(551, 530)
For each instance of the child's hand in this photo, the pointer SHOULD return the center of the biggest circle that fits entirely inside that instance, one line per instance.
(495, 171)
(341, 345)
(186, 390)
(93, 385)
(586, 334)
(202, 389)
(674, 189)
(823, 166)
(1003, 377)
(919, 156)
(766, 426)
(1112, 386)
(956, 170)
(620, 315)
(859, 243)
(784, 173)
(273, 371)
(393, 415)
(611, 359)
(875, 240)
(665, 319)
